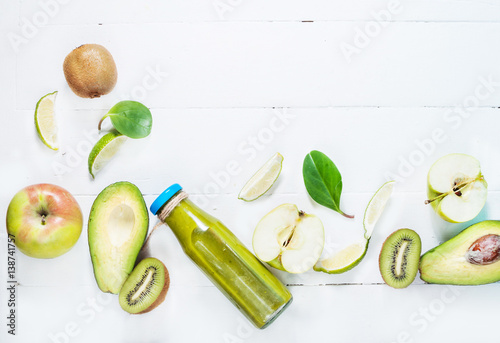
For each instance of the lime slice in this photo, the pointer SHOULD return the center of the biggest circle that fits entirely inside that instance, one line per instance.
(104, 150)
(376, 207)
(350, 257)
(344, 260)
(263, 179)
(45, 120)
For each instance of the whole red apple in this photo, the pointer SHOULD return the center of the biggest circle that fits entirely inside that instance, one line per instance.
(45, 220)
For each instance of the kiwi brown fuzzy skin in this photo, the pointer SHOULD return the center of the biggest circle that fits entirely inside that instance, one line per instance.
(90, 71)
(162, 295)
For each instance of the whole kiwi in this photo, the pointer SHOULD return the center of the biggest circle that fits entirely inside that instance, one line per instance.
(90, 71)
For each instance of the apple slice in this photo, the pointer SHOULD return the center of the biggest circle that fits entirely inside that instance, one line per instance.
(456, 188)
(289, 239)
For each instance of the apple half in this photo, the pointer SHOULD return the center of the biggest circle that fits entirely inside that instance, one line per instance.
(289, 239)
(456, 188)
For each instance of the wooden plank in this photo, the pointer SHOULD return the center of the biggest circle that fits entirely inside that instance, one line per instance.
(344, 314)
(194, 147)
(405, 210)
(255, 65)
(131, 12)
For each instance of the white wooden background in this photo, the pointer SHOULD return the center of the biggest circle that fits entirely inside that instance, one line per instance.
(423, 84)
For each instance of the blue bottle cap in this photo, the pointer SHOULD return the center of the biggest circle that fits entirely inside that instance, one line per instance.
(164, 197)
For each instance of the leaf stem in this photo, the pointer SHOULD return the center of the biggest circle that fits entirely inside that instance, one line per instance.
(100, 122)
(350, 216)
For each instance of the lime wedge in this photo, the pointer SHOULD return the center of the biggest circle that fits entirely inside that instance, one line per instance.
(376, 207)
(344, 260)
(263, 179)
(104, 150)
(350, 257)
(45, 120)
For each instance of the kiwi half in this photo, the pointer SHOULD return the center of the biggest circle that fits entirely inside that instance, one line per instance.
(400, 257)
(146, 287)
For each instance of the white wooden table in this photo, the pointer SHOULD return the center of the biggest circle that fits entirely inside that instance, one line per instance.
(382, 87)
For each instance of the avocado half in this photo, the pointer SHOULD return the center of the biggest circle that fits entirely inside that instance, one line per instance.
(447, 263)
(118, 224)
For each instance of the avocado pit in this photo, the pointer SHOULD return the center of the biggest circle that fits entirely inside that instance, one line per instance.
(484, 251)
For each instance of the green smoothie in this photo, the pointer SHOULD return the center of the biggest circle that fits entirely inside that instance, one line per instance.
(244, 280)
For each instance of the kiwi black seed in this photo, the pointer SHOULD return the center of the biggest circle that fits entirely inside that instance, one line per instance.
(146, 287)
(400, 257)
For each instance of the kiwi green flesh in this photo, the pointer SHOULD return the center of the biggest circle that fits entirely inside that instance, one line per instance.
(117, 228)
(447, 263)
(399, 258)
(146, 287)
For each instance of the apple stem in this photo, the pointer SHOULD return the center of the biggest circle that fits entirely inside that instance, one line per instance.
(43, 219)
(428, 201)
(456, 189)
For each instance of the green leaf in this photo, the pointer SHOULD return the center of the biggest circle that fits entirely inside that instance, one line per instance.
(323, 181)
(130, 118)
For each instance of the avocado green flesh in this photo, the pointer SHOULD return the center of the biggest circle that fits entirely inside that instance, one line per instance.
(447, 264)
(118, 224)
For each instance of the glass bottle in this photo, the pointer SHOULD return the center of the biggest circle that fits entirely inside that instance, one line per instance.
(243, 279)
